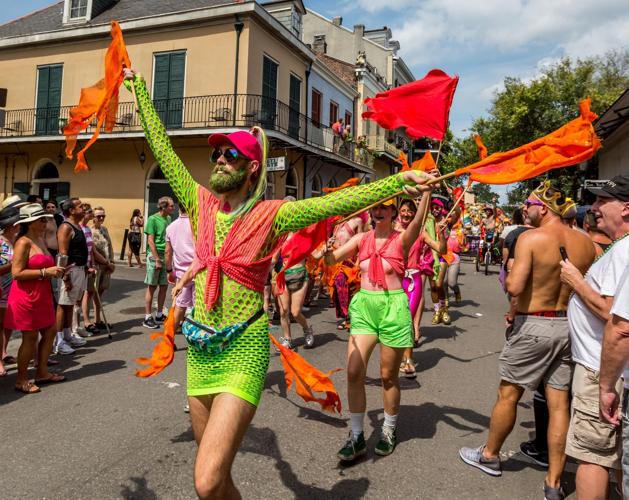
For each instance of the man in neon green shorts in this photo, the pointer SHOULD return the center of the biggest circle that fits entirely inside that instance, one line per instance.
(236, 235)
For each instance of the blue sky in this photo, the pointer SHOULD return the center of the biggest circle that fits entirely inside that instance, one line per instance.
(482, 42)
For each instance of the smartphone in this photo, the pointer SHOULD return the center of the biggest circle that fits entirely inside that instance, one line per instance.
(564, 254)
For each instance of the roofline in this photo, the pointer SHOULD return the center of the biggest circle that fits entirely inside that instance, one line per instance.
(160, 20)
(273, 2)
(308, 11)
(348, 90)
(405, 67)
(600, 121)
(31, 13)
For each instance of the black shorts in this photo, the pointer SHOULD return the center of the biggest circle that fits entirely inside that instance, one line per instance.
(135, 242)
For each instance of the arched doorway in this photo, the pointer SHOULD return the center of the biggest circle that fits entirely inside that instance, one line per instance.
(46, 183)
(156, 187)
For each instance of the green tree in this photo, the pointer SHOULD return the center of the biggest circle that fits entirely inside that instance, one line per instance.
(526, 110)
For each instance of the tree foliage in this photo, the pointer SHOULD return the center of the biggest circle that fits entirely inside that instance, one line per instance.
(528, 109)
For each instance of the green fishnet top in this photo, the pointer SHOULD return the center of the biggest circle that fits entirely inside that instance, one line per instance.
(241, 368)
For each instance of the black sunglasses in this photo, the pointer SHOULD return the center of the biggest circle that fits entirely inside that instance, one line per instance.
(100, 216)
(230, 154)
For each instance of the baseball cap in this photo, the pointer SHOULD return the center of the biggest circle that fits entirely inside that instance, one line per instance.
(617, 187)
(246, 143)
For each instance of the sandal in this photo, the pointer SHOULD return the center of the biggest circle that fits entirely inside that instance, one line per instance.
(92, 328)
(409, 369)
(27, 388)
(342, 325)
(9, 360)
(54, 378)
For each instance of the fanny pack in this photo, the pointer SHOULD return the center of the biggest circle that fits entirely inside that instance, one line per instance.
(295, 278)
(210, 340)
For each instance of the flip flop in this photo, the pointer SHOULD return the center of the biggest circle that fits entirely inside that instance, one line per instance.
(27, 388)
(9, 360)
(54, 378)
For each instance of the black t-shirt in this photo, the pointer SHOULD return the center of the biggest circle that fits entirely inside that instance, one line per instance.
(58, 219)
(512, 239)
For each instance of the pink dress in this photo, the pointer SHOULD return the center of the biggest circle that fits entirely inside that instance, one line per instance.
(30, 305)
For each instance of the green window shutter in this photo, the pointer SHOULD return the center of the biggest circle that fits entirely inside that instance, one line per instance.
(269, 93)
(48, 99)
(168, 87)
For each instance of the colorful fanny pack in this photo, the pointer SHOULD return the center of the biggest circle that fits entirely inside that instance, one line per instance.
(210, 340)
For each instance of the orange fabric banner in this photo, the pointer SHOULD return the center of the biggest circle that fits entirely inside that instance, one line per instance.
(100, 100)
(308, 379)
(573, 143)
(425, 164)
(163, 352)
(482, 149)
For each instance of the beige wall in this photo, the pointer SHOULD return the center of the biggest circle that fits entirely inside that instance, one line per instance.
(210, 54)
(614, 155)
(262, 43)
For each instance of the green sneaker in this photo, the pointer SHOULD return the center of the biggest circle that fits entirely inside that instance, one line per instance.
(387, 442)
(353, 449)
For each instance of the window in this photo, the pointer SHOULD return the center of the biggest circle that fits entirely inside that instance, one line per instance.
(294, 105)
(315, 113)
(292, 184)
(78, 9)
(296, 22)
(348, 118)
(168, 85)
(48, 99)
(315, 188)
(334, 112)
(269, 92)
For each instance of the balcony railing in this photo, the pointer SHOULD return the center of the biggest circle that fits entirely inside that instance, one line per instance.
(201, 112)
(380, 144)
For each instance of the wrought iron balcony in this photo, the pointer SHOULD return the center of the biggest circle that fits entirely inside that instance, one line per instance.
(201, 112)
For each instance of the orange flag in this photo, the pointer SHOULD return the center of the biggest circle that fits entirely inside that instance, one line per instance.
(163, 352)
(403, 160)
(308, 379)
(482, 149)
(425, 164)
(573, 143)
(100, 100)
(348, 183)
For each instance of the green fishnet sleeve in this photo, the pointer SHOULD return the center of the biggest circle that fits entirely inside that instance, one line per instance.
(296, 215)
(182, 183)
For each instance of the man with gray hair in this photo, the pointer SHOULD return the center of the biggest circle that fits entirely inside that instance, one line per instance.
(156, 275)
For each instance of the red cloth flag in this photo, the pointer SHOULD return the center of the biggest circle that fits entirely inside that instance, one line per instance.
(573, 143)
(100, 100)
(421, 106)
(299, 246)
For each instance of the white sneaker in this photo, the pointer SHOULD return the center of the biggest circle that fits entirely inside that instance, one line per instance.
(76, 341)
(64, 348)
(286, 342)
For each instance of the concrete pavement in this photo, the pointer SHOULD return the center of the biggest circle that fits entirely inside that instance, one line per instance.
(107, 434)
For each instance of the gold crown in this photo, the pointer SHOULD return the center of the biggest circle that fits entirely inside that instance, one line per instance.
(555, 200)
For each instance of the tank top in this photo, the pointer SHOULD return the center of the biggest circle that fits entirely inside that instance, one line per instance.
(77, 251)
(391, 251)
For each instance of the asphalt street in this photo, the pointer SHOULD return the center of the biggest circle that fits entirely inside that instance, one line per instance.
(107, 434)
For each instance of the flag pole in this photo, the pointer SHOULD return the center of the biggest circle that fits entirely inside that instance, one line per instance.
(436, 180)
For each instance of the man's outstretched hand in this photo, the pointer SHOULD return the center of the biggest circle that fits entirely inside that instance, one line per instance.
(418, 183)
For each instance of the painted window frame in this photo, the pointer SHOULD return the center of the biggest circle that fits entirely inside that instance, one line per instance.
(334, 112)
(316, 120)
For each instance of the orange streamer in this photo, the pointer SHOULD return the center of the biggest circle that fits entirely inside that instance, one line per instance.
(99, 101)
(308, 379)
(425, 164)
(163, 352)
(482, 149)
(573, 143)
(403, 160)
(348, 183)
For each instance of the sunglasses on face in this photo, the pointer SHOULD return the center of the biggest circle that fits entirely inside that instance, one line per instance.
(100, 217)
(230, 154)
(529, 203)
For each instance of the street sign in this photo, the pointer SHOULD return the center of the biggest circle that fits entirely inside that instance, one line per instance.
(277, 164)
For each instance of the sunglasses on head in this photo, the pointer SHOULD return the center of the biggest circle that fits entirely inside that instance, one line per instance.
(230, 154)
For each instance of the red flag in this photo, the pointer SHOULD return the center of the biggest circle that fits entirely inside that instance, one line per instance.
(298, 247)
(100, 100)
(421, 106)
(573, 143)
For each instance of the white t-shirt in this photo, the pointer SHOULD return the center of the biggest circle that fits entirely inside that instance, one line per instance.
(586, 329)
(620, 308)
(507, 230)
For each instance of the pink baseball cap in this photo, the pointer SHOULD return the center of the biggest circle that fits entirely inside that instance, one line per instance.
(245, 142)
(437, 201)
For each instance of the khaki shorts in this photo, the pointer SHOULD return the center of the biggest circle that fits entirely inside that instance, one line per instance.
(78, 280)
(589, 439)
(537, 350)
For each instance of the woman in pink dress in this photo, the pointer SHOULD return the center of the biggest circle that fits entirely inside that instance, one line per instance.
(30, 305)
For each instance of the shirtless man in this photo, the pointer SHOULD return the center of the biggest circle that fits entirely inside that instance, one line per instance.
(538, 344)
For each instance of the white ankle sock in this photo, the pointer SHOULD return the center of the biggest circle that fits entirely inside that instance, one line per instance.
(390, 420)
(147, 316)
(357, 422)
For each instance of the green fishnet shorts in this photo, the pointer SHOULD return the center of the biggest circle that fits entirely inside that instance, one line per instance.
(239, 370)
(382, 313)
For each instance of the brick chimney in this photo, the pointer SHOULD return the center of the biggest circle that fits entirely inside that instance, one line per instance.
(337, 21)
(319, 46)
(359, 30)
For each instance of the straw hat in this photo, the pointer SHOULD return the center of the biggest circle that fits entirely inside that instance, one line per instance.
(13, 202)
(32, 212)
(8, 217)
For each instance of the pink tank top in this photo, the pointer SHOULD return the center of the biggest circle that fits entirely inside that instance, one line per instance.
(391, 251)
